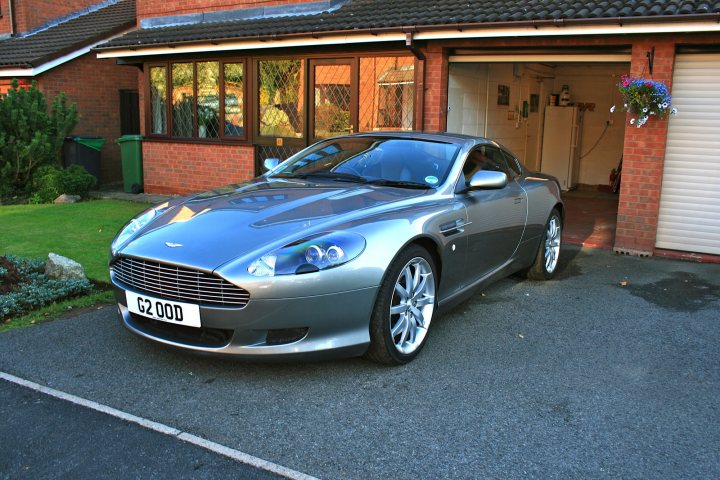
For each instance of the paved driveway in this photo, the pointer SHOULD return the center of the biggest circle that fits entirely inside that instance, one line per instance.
(580, 377)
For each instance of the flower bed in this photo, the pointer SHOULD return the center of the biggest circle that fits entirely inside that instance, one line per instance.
(24, 286)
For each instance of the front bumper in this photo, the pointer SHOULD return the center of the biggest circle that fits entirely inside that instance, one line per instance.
(334, 324)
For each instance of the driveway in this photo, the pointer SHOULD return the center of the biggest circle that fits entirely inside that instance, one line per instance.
(610, 371)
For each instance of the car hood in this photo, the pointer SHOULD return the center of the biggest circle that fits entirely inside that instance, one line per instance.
(216, 227)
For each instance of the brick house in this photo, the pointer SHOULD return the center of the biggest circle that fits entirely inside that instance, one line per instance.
(51, 42)
(227, 83)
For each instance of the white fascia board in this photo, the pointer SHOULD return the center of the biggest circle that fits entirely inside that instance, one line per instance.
(531, 58)
(34, 71)
(578, 30)
(254, 45)
(449, 34)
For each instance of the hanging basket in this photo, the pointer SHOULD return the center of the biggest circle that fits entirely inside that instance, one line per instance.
(644, 99)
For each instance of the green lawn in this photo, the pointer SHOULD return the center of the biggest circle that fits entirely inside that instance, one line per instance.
(80, 231)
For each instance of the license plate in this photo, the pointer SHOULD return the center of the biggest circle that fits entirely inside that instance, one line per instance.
(164, 310)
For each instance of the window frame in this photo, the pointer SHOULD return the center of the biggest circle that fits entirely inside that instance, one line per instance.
(194, 138)
(251, 101)
(354, 58)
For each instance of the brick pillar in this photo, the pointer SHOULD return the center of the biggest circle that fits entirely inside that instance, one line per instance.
(643, 158)
(436, 89)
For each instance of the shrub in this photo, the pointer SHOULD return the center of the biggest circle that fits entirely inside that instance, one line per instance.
(76, 181)
(25, 286)
(51, 181)
(30, 136)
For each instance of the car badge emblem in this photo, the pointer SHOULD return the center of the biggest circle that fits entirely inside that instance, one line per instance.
(173, 245)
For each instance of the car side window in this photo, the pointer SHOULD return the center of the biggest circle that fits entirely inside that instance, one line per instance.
(485, 157)
(513, 164)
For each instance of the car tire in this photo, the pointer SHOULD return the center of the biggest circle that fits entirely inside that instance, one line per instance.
(404, 308)
(546, 260)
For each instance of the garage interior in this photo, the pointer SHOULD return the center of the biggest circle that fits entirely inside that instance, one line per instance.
(518, 100)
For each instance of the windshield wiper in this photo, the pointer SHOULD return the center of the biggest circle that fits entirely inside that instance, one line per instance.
(337, 176)
(399, 183)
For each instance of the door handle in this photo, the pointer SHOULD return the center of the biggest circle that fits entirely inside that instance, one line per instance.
(518, 200)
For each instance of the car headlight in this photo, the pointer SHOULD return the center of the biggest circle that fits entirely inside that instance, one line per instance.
(135, 225)
(327, 250)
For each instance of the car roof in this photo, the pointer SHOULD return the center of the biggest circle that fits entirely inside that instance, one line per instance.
(457, 138)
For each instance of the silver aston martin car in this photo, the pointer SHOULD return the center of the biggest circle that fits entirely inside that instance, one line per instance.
(350, 247)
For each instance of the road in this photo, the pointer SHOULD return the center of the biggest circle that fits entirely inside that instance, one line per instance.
(611, 370)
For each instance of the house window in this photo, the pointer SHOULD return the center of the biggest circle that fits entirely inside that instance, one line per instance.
(183, 99)
(387, 93)
(203, 99)
(158, 100)
(234, 99)
(281, 98)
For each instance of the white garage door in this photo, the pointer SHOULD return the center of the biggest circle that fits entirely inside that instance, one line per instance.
(689, 217)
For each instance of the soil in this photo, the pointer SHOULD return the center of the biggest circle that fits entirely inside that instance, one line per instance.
(10, 281)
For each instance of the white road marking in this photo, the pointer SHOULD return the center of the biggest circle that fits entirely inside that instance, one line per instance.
(161, 428)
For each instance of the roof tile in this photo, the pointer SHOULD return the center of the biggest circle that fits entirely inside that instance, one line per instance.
(37, 48)
(377, 14)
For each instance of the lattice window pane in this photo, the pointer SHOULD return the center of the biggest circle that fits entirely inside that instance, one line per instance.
(183, 101)
(271, 151)
(158, 100)
(208, 102)
(234, 101)
(387, 93)
(281, 89)
(332, 100)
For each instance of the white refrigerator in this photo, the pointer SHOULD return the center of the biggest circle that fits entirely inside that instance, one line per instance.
(562, 135)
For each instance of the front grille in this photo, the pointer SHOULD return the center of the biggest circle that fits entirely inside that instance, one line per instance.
(199, 337)
(177, 283)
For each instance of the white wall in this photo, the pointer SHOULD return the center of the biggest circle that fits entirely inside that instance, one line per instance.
(596, 83)
(467, 98)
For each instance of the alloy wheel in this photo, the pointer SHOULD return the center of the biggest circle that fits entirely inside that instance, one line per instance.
(412, 305)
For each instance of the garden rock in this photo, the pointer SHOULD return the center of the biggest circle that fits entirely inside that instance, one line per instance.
(65, 198)
(62, 268)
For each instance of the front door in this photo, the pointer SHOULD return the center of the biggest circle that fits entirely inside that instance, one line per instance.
(333, 98)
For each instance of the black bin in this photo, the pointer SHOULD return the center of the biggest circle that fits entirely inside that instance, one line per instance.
(84, 151)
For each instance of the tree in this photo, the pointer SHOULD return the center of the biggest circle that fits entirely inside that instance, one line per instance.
(30, 135)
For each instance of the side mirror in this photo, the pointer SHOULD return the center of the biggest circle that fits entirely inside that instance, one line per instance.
(270, 163)
(487, 180)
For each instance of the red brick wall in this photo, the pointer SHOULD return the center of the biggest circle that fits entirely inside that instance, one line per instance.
(436, 89)
(643, 157)
(94, 85)
(187, 167)
(30, 14)
(153, 8)
(4, 18)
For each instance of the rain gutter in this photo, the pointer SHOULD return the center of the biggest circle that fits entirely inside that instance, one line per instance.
(691, 23)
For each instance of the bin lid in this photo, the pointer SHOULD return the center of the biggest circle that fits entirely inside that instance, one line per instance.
(96, 143)
(129, 138)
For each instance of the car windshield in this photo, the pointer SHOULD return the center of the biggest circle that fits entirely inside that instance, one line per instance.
(402, 162)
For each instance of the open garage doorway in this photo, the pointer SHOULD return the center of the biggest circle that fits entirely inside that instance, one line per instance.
(571, 134)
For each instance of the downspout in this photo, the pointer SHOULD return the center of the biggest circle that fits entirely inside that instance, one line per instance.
(11, 12)
(410, 44)
(420, 92)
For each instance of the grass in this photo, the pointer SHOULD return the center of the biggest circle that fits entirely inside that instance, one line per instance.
(80, 231)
